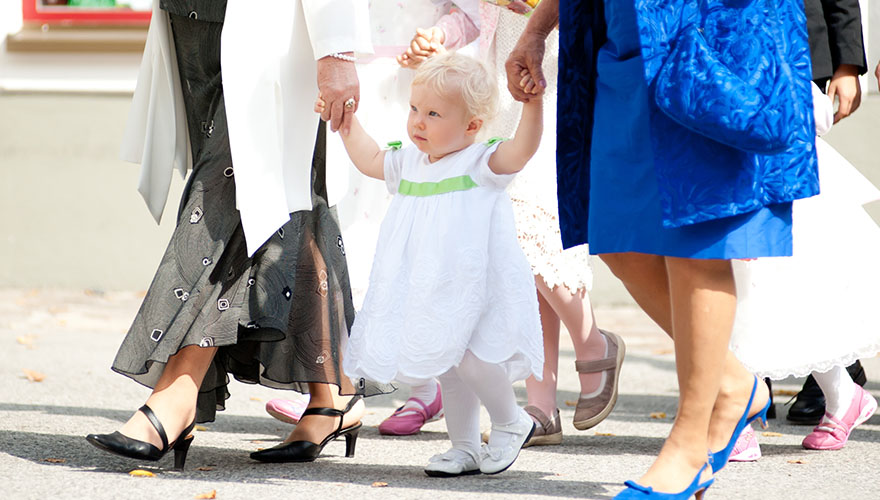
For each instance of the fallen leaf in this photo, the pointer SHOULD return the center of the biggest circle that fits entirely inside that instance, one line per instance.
(379, 484)
(771, 434)
(784, 392)
(33, 376)
(200, 428)
(62, 322)
(142, 293)
(27, 340)
(54, 460)
(141, 473)
(569, 402)
(254, 398)
(664, 350)
(658, 414)
(210, 494)
(603, 434)
(798, 461)
(33, 292)
(205, 468)
(57, 309)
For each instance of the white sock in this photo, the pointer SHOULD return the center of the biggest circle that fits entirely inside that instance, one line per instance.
(839, 390)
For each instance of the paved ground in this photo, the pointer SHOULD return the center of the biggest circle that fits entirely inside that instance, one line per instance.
(71, 337)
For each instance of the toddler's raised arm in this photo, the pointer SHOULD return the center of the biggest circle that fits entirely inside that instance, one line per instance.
(511, 156)
(361, 148)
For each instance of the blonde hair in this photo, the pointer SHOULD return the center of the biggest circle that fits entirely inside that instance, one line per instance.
(476, 85)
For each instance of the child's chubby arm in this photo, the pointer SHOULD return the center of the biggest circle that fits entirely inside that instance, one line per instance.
(511, 156)
(361, 148)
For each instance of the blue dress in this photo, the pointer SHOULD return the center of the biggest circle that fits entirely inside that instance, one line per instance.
(623, 209)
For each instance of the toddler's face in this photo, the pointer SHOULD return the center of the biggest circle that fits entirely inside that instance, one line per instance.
(438, 125)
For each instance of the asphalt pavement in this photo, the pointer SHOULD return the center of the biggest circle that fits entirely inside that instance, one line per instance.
(56, 348)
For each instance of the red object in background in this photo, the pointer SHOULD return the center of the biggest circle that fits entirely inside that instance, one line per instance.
(36, 12)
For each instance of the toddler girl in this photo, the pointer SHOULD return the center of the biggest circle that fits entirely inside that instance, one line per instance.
(451, 294)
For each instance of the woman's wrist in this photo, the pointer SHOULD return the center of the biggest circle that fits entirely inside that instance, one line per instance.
(344, 56)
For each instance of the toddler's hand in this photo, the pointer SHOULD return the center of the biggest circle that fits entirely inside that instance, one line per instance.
(519, 7)
(424, 44)
(528, 84)
(320, 105)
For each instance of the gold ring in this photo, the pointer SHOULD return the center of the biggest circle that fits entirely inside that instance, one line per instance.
(350, 103)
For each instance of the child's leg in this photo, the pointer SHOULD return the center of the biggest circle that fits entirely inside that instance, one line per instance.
(838, 388)
(490, 383)
(543, 394)
(462, 413)
(576, 313)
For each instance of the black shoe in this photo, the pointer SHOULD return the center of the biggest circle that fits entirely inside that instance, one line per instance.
(125, 446)
(809, 404)
(771, 412)
(307, 451)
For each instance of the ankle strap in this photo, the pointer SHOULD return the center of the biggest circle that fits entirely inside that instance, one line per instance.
(599, 365)
(158, 425)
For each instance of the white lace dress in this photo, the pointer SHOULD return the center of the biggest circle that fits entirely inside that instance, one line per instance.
(821, 307)
(448, 275)
(534, 191)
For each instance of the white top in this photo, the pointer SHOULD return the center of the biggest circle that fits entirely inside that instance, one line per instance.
(448, 275)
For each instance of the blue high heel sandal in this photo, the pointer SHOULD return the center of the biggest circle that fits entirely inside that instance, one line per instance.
(719, 458)
(635, 491)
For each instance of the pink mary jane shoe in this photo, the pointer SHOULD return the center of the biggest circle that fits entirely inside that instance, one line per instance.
(408, 420)
(831, 433)
(286, 410)
(746, 448)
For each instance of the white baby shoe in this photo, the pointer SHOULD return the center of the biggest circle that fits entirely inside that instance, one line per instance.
(453, 463)
(505, 443)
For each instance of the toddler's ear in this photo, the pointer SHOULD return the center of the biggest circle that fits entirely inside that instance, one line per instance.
(474, 126)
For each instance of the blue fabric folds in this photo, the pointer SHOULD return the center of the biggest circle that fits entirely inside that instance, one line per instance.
(699, 179)
(741, 94)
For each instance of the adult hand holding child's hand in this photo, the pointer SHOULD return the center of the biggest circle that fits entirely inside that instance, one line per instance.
(424, 44)
(340, 89)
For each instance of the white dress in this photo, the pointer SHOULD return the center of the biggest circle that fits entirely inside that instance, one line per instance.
(448, 275)
(382, 110)
(534, 191)
(820, 307)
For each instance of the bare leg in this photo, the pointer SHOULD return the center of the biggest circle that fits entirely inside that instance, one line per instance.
(703, 303)
(174, 398)
(543, 394)
(576, 313)
(645, 277)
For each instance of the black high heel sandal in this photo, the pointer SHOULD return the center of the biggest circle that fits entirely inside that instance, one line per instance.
(125, 446)
(307, 451)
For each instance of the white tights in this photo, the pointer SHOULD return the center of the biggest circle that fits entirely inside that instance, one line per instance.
(472, 382)
(838, 388)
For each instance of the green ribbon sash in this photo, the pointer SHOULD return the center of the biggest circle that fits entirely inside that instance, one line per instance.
(460, 183)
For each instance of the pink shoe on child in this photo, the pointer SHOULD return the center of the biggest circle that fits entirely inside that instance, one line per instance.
(286, 410)
(746, 448)
(408, 420)
(831, 433)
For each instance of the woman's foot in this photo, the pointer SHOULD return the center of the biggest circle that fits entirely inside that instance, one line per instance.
(174, 418)
(729, 408)
(288, 410)
(675, 469)
(314, 428)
